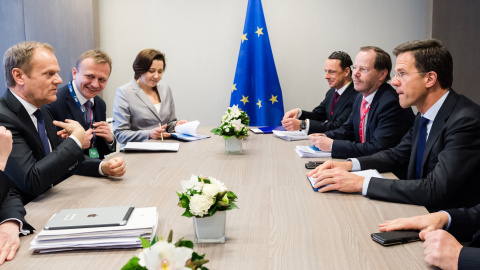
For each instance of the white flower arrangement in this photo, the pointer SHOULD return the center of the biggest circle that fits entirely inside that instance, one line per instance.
(202, 197)
(166, 255)
(234, 124)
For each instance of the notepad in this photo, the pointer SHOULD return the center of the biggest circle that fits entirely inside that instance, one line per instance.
(311, 152)
(364, 173)
(188, 132)
(291, 135)
(150, 147)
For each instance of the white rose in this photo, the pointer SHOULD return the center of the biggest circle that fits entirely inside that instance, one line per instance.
(219, 183)
(199, 204)
(237, 124)
(227, 129)
(210, 190)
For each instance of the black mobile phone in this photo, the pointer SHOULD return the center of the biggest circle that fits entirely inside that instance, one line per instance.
(395, 237)
(313, 164)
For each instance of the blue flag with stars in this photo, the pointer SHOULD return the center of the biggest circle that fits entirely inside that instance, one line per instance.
(256, 88)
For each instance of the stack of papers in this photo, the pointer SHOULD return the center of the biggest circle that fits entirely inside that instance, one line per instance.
(291, 135)
(150, 147)
(267, 130)
(364, 173)
(311, 152)
(142, 222)
(188, 132)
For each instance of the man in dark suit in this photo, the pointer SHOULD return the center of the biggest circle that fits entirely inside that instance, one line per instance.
(442, 232)
(12, 212)
(377, 121)
(40, 158)
(440, 154)
(337, 105)
(79, 101)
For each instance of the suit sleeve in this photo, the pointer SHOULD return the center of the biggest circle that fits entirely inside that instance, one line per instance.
(391, 124)
(11, 203)
(34, 177)
(469, 258)
(465, 222)
(121, 125)
(461, 143)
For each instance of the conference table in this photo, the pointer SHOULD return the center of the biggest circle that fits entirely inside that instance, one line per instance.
(281, 224)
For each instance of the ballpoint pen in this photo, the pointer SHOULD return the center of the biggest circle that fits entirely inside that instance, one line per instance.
(161, 134)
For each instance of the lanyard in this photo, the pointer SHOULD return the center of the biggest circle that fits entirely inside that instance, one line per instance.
(74, 95)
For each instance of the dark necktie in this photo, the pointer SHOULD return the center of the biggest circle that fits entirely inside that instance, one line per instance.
(422, 139)
(334, 101)
(88, 113)
(41, 131)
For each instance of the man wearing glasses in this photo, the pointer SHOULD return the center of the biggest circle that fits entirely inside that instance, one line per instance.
(377, 121)
(440, 154)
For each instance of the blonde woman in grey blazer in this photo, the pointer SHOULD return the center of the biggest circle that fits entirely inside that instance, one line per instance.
(144, 109)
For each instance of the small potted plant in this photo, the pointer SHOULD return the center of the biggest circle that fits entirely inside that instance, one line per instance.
(233, 128)
(206, 200)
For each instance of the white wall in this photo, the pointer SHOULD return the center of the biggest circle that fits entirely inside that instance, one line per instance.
(201, 40)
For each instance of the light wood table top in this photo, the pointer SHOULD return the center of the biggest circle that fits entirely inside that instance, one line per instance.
(281, 223)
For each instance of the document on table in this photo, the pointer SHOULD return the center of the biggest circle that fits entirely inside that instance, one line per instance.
(188, 132)
(311, 152)
(291, 135)
(143, 222)
(267, 130)
(364, 173)
(150, 147)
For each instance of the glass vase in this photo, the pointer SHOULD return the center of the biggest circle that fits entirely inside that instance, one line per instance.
(210, 229)
(233, 146)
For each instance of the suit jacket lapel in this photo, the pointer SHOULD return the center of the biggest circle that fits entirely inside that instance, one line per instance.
(439, 122)
(144, 98)
(341, 100)
(30, 132)
(413, 154)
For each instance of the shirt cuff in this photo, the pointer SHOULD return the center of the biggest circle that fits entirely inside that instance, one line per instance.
(355, 164)
(111, 145)
(299, 113)
(449, 219)
(366, 181)
(22, 230)
(100, 169)
(76, 140)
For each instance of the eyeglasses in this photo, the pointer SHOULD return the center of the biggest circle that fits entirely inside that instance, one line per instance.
(361, 69)
(400, 75)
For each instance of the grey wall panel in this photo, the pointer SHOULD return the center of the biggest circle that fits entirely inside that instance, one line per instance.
(457, 25)
(66, 25)
(12, 31)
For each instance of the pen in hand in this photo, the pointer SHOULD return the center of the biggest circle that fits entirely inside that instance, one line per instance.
(161, 134)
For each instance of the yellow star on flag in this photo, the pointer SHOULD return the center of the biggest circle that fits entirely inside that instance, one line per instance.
(273, 99)
(244, 37)
(244, 99)
(259, 31)
(234, 87)
(259, 103)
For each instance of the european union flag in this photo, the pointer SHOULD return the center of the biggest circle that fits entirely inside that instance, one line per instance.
(256, 88)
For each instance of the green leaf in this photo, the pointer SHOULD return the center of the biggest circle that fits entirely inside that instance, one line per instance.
(206, 181)
(132, 264)
(196, 256)
(187, 213)
(220, 196)
(184, 243)
(170, 236)
(154, 240)
(179, 194)
(224, 205)
(233, 206)
(231, 195)
(145, 242)
(185, 201)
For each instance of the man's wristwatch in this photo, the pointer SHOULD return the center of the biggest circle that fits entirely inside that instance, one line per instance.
(303, 125)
